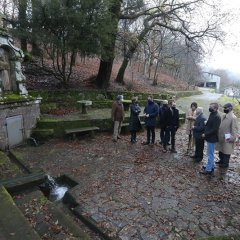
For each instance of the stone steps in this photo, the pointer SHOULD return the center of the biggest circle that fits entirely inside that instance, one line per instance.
(47, 219)
(31, 216)
(26, 214)
(13, 224)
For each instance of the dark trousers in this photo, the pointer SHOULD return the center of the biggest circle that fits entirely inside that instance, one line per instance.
(199, 147)
(133, 136)
(173, 133)
(166, 137)
(224, 158)
(150, 132)
(162, 134)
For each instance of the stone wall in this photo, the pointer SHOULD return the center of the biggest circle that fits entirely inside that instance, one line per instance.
(30, 112)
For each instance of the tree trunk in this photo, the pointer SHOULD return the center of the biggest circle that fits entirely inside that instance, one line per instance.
(36, 51)
(130, 53)
(105, 68)
(150, 68)
(104, 74)
(23, 22)
(121, 71)
(156, 68)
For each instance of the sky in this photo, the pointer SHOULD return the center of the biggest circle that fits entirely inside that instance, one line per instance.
(227, 56)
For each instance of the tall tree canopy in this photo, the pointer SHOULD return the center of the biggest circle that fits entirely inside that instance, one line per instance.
(62, 28)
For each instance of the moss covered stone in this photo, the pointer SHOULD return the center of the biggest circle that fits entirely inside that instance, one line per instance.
(12, 98)
(7, 168)
(12, 222)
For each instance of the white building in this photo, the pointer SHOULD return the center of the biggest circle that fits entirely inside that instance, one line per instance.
(211, 80)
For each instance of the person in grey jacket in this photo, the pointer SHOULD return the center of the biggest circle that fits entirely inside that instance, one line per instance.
(198, 129)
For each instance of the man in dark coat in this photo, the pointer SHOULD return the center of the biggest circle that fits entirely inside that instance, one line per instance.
(162, 109)
(150, 113)
(134, 121)
(198, 130)
(174, 125)
(211, 136)
(171, 124)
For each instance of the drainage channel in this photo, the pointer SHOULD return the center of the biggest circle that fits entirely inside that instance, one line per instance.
(56, 191)
(16, 161)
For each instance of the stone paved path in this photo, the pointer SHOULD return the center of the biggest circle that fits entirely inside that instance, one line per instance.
(138, 192)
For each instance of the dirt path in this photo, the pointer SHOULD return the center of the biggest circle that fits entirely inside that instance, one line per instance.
(202, 100)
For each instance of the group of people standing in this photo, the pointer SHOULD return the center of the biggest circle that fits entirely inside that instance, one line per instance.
(169, 122)
(218, 132)
(167, 112)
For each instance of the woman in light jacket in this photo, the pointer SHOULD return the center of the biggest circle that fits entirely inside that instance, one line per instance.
(191, 117)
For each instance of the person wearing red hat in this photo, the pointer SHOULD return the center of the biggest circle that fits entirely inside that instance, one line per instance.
(227, 136)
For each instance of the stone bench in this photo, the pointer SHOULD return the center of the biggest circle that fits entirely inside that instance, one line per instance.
(126, 104)
(74, 131)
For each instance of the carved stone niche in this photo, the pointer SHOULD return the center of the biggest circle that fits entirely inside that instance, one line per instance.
(11, 76)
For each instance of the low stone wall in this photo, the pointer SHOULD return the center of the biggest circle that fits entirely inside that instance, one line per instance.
(29, 111)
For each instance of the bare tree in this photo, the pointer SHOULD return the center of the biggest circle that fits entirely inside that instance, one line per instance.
(179, 18)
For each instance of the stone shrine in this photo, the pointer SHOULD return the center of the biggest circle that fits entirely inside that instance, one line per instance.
(18, 111)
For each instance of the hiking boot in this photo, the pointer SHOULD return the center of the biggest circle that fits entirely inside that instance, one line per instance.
(223, 165)
(206, 172)
(173, 150)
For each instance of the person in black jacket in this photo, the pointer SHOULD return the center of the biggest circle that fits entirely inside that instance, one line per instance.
(211, 136)
(150, 113)
(171, 124)
(134, 121)
(174, 125)
(198, 130)
(162, 109)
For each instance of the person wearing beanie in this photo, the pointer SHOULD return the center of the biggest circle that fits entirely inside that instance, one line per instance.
(117, 117)
(227, 136)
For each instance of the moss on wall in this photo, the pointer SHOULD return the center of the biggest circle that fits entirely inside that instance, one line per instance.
(93, 95)
(12, 98)
(52, 100)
